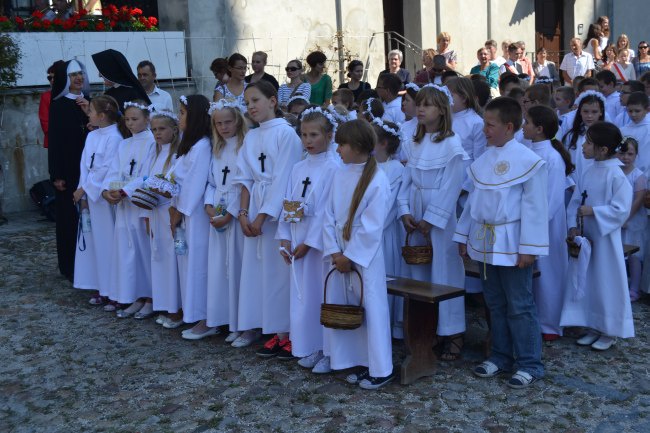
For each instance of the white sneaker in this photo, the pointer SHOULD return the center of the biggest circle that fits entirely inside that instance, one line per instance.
(604, 342)
(232, 336)
(323, 366)
(247, 338)
(588, 339)
(311, 360)
(161, 319)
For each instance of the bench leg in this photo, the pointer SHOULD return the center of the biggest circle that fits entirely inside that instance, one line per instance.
(420, 323)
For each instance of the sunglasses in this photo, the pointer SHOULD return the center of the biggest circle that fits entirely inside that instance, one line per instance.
(643, 47)
(291, 69)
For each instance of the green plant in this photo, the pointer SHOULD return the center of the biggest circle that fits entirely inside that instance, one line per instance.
(9, 58)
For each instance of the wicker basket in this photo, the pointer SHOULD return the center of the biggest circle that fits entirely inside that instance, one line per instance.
(337, 316)
(417, 255)
(293, 211)
(144, 199)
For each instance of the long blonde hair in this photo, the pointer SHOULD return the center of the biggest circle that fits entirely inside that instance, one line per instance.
(240, 127)
(360, 136)
(433, 96)
(173, 147)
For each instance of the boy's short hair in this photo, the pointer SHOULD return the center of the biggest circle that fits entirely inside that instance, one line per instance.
(635, 86)
(587, 82)
(540, 93)
(645, 78)
(513, 48)
(508, 78)
(346, 96)
(567, 93)
(638, 98)
(391, 82)
(606, 77)
(516, 93)
(507, 109)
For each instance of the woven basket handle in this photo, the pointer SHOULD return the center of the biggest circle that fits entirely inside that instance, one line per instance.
(328, 277)
(426, 238)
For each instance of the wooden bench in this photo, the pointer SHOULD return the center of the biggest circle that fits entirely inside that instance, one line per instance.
(420, 323)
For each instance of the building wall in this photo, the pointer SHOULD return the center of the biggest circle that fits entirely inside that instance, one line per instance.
(630, 17)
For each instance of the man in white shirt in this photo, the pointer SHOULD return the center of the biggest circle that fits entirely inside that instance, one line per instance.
(492, 48)
(160, 99)
(576, 63)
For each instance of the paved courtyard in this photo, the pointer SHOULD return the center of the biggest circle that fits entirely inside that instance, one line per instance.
(70, 367)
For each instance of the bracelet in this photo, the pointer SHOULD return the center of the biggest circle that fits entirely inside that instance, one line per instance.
(242, 212)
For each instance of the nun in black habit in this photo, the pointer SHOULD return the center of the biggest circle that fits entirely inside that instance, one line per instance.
(67, 135)
(115, 69)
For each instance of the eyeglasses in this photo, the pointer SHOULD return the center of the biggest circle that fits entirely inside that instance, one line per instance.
(291, 69)
(643, 47)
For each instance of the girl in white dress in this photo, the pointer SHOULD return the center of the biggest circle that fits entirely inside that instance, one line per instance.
(92, 262)
(164, 270)
(301, 236)
(634, 228)
(541, 126)
(408, 128)
(264, 165)
(186, 211)
(467, 123)
(427, 205)
(221, 206)
(600, 300)
(352, 237)
(130, 276)
(388, 142)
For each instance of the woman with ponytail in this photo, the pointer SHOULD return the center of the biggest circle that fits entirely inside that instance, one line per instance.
(353, 230)
(541, 126)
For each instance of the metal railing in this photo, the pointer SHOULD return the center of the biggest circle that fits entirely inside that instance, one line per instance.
(396, 41)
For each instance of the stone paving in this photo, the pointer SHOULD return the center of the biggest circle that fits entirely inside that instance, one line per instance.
(70, 367)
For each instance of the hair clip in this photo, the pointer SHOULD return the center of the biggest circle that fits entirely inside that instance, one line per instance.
(379, 122)
(319, 110)
(368, 109)
(148, 108)
(225, 103)
(165, 113)
(183, 99)
(442, 89)
(586, 93)
(296, 97)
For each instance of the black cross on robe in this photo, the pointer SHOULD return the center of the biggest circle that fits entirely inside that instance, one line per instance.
(225, 172)
(132, 164)
(306, 183)
(262, 158)
(92, 160)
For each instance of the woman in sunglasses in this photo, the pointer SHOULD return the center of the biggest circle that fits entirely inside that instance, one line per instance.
(642, 61)
(296, 85)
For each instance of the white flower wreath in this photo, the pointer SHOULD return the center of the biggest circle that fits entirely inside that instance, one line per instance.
(586, 93)
(165, 113)
(224, 103)
(442, 89)
(412, 86)
(325, 113)
(391, 131)
(368, 109)
(148, 108)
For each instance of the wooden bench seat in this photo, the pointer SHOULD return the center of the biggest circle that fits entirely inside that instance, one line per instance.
(420, 323)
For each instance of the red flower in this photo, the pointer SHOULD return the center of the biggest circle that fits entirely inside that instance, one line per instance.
(112, 8)
(83, 12)
(153, 21)
(37, 14)
(47, 24)
(112, 24)
(36, 25)
(19, 21)
(142, 20)
(136, 12)
(4, 19)
(68, 24)
(147, 25)
(57, 22)
(83, 25)
(100, 26)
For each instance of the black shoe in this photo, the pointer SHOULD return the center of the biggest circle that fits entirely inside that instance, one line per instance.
(375, 382)
(357, 377)
(271, 348)
(285, 351)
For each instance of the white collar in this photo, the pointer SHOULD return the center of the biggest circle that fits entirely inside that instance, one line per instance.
(73, 96)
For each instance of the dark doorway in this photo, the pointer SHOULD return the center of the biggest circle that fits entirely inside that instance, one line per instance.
(393, 22)
(548, 28)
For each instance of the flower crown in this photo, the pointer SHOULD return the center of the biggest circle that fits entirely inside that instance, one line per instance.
(442, 89)
(183, 99)
(543, 81)
(296, 97)
(586, 93)
(340, 118)
(225, 103)
(412, 86)
(368, 109)
(149, 108)
(624, 142)
(327, 115)
(391, 131)
(165, 113)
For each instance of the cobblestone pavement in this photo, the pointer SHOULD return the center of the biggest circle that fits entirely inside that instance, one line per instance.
(70, 367)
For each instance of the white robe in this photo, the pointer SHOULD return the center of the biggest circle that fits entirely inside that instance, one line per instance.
(307, 275)
(641, 132)
(605, 306)
(225, 247)
(393, 239)
(264, 284)
(165, 288)
(407, 131)
(191, 173)
(431, 185)
(549, 288)
(370, 344)
(468, 125)
(633, 232)
(131, 263)
(92, 266)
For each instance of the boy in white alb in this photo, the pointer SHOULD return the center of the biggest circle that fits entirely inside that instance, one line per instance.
(504, 225)
(388, 86)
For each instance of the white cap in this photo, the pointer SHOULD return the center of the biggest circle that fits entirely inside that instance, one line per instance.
(74, 66)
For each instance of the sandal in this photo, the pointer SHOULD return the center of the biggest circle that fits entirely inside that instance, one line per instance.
(453, 348)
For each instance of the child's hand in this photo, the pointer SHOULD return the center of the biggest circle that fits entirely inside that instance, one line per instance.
(573, 232)
(78, 194)
(221, 221)
(84, 104)
(210, 210)
(343, 264)
(113, 197)
(585, 210)
(174, 219)
(424, 227)
(462, 250)
(300, 251)
(409, 223)
(284, 252)
(256, 226)
(244, 223)
(525, 260)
